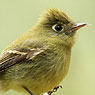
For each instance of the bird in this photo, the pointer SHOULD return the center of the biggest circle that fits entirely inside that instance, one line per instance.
(39, 59)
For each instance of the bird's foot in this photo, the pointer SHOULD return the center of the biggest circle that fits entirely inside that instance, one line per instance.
(54, 90)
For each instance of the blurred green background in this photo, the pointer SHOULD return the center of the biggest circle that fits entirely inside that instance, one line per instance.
(17, 16)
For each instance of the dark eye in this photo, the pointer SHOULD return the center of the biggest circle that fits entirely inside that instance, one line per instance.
(57, 27)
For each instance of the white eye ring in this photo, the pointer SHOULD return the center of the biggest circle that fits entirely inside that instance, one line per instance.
(57, 27)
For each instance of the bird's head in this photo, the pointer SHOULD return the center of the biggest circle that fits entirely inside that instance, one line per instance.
(59, 27)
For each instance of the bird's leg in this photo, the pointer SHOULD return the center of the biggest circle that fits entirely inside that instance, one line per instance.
(28, 90)
(54, 90)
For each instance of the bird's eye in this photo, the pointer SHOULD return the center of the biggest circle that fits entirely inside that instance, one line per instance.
(57, 27)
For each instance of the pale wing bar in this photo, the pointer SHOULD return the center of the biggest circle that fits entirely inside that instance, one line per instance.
(14, 57)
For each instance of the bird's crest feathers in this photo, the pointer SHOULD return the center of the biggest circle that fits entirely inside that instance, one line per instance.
(55, 14)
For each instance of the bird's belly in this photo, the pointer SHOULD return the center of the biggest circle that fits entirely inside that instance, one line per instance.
(40, 82)
(50, 79)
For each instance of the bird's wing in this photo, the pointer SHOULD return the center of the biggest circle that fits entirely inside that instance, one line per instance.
(12, 57)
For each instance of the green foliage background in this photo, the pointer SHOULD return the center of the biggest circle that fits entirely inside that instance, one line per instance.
(17, 16)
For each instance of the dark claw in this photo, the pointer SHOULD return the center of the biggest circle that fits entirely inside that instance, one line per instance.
(50, 92)
(54, 90)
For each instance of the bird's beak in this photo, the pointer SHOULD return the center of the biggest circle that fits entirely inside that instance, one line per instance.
(78, 26)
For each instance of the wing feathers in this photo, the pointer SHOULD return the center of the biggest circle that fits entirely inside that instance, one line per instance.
(13, 57)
